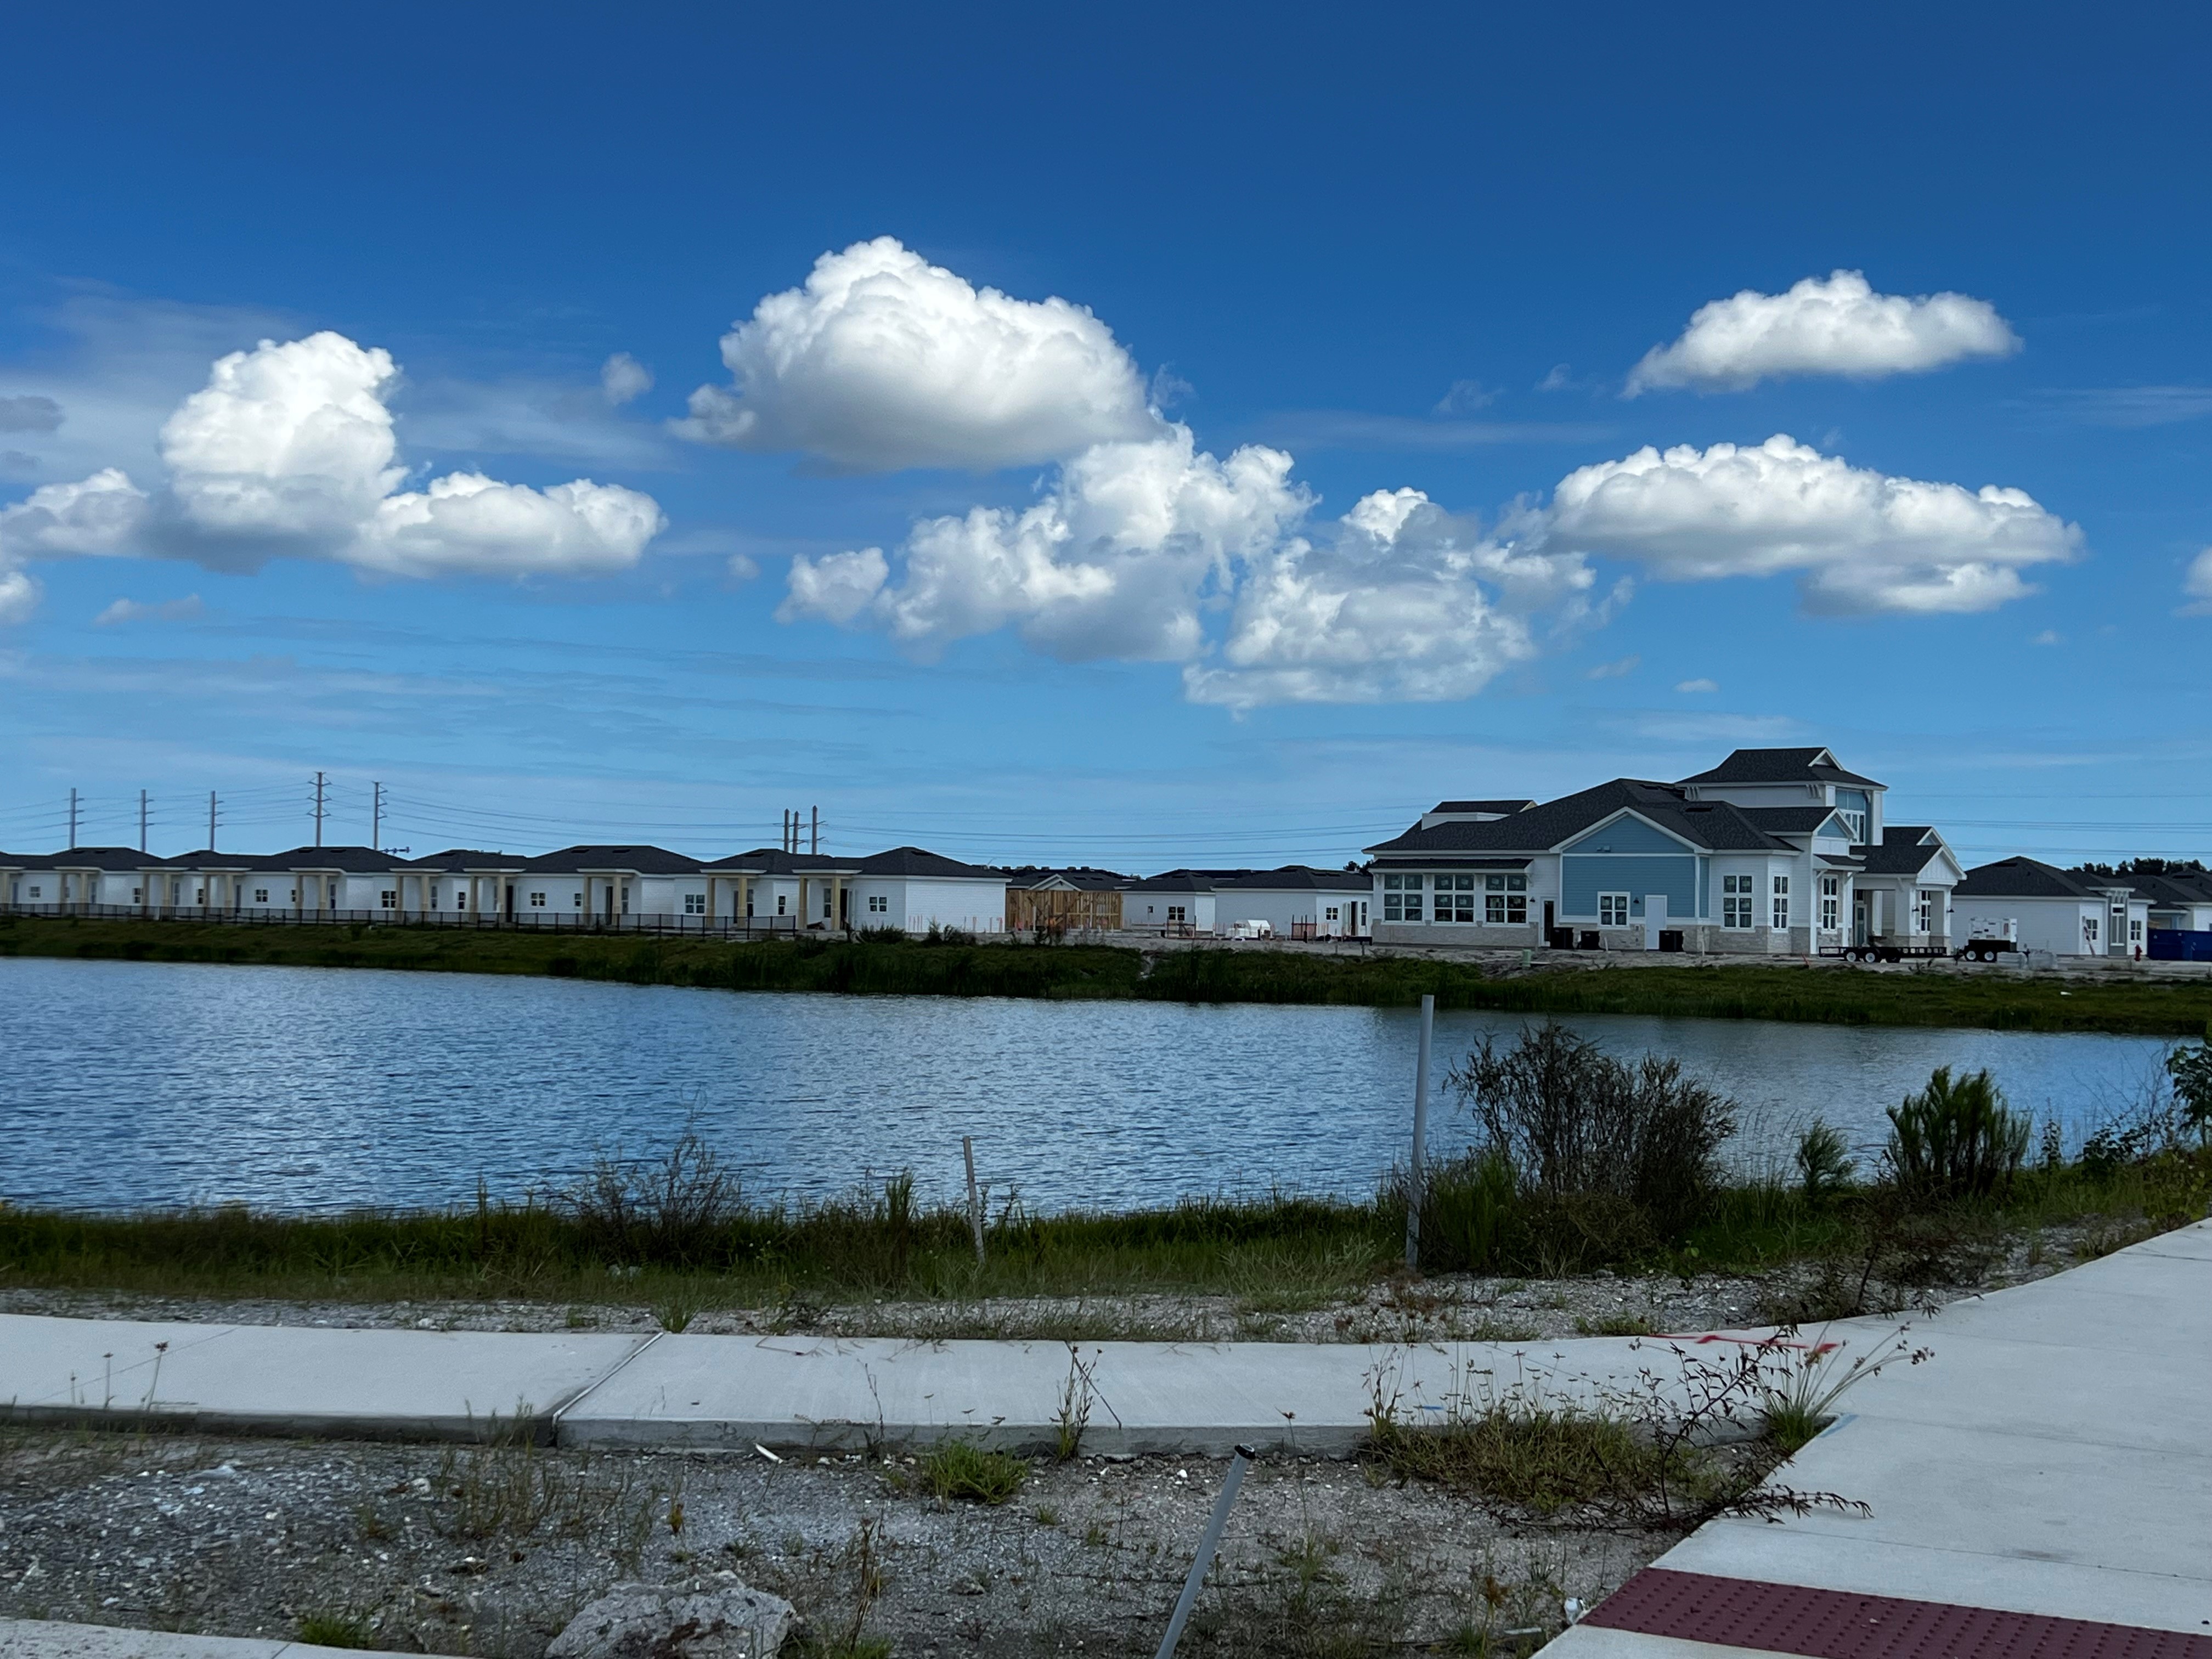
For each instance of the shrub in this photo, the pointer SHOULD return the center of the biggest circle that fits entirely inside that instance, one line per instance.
(1824, 1161)
(2192, 1072)
(1471, 1218)
(1956, 1139)
(675, 1211)
(885, 935)
(1573, 1121)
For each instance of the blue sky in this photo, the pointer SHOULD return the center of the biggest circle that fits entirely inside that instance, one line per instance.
(1134, 598)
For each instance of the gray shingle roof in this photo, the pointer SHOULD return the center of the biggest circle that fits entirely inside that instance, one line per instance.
(98, 858)
(2026, 878)
(919, 861)
(1297, 878)
(1082, 878)
(1905, 850)
(1715, 826)
(1783, 766)
(773, 862)
(1789, 820)
(646, 861)
(1500, 807)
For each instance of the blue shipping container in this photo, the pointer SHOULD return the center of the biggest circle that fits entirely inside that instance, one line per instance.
(2175, 945)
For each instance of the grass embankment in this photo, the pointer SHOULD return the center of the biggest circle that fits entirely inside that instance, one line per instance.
(1281, 1255)
(1834, 995)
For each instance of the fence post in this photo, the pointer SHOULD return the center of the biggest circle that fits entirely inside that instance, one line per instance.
(1414, 1173)
(974, 1199)
(1207, 1544)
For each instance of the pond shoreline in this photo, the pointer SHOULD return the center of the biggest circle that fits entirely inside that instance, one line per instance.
(1940, 995)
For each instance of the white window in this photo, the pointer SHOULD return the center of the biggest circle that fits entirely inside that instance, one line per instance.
(2089, 931)
(199, 895)
(1782, 903)
(879, 905)
(2135, 930)
(828, 899)
(1612, 909)
(35, 891)
(1856, 823)
(294, 899)
(261, 895)
(625, 910)
(1176, 912)
(1736, 900)
(779, 897)
(537, 901)
(138, 896)
(1504, 900)
(580, 901)
(1401, 897)
(1832, 904)
(695, 904)
(1331, 912)
(1924, 912)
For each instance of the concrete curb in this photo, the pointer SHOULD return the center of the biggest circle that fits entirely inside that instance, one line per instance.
(40, 1639)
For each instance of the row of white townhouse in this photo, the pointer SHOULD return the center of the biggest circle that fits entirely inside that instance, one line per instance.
(906, 887)
(1774, 851)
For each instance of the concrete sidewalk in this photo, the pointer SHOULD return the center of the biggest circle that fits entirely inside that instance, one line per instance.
(2052, 1461)
(40, 1639)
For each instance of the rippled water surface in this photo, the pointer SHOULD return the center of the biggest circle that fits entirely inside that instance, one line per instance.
(140, 1083)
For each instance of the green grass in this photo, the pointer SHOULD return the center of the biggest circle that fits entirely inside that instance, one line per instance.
(1837, 995)
(963, 1470)
(334, 1630)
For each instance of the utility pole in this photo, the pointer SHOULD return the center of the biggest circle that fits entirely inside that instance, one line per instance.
(210, 820)
(318, 809)
(376, 816)
(816, 848)
(142, 820)
(72, 841)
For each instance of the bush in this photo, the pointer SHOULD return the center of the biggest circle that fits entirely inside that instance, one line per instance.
(1575, 1123)
(885, 935)
(1824, 1161)
(676, 1211)
(2192, 1072)
(1955, 1140)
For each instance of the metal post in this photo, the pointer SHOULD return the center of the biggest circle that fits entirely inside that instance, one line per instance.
(318, 809)
(1206, 1546)
(1413, 1177)
(142, 820)
(815, 848)
(376, 817)
(974, 1199)
(72, 840)
(210, 820)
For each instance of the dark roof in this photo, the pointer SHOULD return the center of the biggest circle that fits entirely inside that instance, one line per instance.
(2170, 889)
(1781, 766)
(774, 862)
(1082, 878)
(1789, 820)
(1174, 881)
(919, 861)
(1499, 807)
(355, 861)
(2026, 878)
(1297, 878)
(1715, 826)
(95, 858)
(1906, 849)
(647, 861)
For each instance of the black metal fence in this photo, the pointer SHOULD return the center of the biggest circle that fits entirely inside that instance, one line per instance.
(522, 921)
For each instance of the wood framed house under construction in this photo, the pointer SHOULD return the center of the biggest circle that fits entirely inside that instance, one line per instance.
(1060, 902)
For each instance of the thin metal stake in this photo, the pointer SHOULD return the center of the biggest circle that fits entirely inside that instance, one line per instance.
(975, 1199)
(1413, 1177)
(1206, 1546)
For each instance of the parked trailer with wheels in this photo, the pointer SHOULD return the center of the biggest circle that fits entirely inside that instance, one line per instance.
(1986, 950)
(1879, 950)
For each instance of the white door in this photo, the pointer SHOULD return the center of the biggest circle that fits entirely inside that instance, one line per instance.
(1655, 918)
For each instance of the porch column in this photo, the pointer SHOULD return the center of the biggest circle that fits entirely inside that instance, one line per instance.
(837, 901)
(804, 913)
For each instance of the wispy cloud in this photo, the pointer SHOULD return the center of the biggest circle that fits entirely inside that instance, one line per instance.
(1348, 429)
(124, 611)
(1698, 685)
(1615, 669)
(2127, 406)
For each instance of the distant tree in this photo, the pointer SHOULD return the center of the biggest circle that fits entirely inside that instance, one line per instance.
(2145, 867)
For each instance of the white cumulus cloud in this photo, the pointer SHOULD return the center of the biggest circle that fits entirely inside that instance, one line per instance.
(289, 449)
(1858, 540)
(1837, 327)
(2197, 584)
(622, 377)
(883, 361)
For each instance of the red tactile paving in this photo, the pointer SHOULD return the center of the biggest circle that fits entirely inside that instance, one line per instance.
(1820, 1624)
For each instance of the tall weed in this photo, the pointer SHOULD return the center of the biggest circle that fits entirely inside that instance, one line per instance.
(1956, 1139)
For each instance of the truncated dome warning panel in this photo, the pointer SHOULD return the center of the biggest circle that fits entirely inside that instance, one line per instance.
(1820, 1624)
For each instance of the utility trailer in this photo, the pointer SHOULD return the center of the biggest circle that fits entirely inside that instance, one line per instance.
(1986, 950)
(1879, 950)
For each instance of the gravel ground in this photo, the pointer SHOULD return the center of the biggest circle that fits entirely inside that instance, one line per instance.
(491, 1551)
(1443, 1307)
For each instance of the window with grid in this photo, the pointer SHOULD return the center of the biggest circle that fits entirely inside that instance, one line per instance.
(1401, 898)
(879, 905)
(537, 901)
(261, 895)
(1736, 894)
(1832, 902)
(695, 904)
(1612, 909)
(1782, 902)
(1924, 912)
(1506, 900)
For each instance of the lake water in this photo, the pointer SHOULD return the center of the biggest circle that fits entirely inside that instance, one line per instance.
(125, 1084)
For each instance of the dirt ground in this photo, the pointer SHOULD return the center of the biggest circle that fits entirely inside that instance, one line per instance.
(490, 1551)
(1439, 1308)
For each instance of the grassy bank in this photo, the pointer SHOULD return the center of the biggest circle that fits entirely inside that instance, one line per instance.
(1836, 995)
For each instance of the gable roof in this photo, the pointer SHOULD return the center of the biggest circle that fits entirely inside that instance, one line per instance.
(1781, 766)
(2026, 878)
(95, 858)
(1080, 878)
(774, 862)
(1789, 820)
(1503, 808)
(1297, 878)
(1712, 826)
(1905, 849)
(2172, 889)
(646, 861)
(919, 861)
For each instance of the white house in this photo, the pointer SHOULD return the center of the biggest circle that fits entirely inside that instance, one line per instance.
(2183, 903)
(910, 888)
(1296, 902)
(1180, 902)
(2041, 908)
